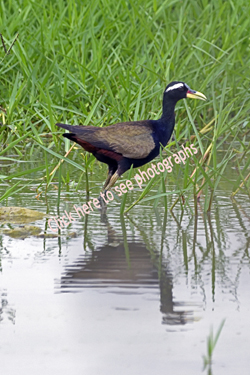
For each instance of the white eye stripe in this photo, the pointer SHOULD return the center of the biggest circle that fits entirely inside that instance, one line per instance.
(176, 86)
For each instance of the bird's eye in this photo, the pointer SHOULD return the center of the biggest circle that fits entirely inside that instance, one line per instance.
(181, 88)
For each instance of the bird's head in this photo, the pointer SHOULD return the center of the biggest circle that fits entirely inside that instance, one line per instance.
(180, 90)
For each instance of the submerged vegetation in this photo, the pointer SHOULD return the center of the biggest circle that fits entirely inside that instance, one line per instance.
(211, 343)
(101, 62)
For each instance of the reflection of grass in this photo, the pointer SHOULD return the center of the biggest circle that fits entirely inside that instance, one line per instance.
(101, 62)
(211, 343)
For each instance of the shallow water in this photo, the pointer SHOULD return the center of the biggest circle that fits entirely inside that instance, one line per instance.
(134, 295)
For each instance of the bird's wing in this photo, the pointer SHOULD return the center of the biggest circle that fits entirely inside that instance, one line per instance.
(131, 139)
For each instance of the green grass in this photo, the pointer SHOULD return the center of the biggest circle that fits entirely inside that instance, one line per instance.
(211, 343)
(106, 61)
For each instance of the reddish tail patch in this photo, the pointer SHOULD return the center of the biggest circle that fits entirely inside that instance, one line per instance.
(110, 154)
(101, 151)
(87, 146)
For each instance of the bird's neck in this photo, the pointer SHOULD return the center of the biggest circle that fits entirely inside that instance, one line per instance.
(168, 106)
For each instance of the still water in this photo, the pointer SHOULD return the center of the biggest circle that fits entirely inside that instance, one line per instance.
(137, 294)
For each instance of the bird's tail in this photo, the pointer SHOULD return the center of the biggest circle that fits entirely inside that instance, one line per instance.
(71, 136)
(71, 128)
(78, 133)
(78, 129)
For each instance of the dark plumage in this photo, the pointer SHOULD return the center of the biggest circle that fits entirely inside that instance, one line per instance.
(137, 142)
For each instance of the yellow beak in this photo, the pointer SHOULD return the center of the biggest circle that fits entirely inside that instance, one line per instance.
(195, 95)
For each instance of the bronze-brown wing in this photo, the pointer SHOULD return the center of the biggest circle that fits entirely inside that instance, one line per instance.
(131, 139)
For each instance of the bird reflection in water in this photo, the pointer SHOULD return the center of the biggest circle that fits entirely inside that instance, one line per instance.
(130, 265)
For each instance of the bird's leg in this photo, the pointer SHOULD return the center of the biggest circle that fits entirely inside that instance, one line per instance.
(110, 173)
(112, 181)
(101, 200)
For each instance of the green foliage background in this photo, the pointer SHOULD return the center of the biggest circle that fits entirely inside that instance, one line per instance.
(103, 61)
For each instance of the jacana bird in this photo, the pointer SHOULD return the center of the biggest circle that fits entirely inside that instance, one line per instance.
(131, 143)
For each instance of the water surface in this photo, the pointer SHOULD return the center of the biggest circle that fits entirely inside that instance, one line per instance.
(135, 294)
